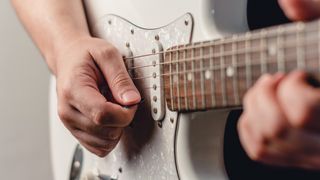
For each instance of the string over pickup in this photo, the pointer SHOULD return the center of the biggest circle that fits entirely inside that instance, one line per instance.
(157, 91)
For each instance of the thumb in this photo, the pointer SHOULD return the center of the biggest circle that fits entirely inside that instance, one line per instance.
(301, 9)
(121, 85)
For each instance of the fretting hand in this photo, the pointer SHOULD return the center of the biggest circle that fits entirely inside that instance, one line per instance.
(280, 124)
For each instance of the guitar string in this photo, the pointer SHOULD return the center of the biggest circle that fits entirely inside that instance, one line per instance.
(291, 58)
(207, 94)
(275, 69)
(218, 55)
(224, 41)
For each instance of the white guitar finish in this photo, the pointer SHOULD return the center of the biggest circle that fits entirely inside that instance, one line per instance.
(145, 140)
(191, 146)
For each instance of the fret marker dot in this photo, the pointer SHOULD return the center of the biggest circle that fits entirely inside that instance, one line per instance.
(190, 77)
(230, 71)
(208, 74)
(272, 50)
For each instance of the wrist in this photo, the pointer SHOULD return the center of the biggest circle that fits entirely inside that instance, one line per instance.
(61, 44)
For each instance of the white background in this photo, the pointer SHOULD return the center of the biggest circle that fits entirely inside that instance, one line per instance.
(24, 136)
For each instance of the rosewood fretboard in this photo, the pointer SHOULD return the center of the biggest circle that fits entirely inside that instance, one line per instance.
(216, 74)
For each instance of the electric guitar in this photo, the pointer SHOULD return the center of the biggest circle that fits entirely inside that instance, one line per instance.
(190, 71)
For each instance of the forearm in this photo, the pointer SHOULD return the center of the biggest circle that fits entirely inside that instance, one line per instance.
(53, 24)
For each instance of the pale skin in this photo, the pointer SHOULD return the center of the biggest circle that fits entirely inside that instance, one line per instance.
(80, 64)
(279, 125)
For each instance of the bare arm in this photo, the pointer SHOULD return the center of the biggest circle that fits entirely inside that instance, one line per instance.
(53, 24)
(82, 64)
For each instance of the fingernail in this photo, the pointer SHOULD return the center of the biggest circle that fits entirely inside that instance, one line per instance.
(130, 97)
(137, 104)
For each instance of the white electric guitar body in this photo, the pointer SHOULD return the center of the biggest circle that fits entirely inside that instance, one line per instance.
(166, 140)
(175, 145)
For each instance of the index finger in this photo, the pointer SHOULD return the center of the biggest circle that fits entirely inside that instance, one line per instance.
(92, 104)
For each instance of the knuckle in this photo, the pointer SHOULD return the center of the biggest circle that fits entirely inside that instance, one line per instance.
(111, 145)
(258, 152)
(101, 153)
(298, 74)
(120, 80)
(127, 119)
(65, 90)
(265, 79)
(247, 98)
(302, 117)
(108, 52)
(114, 134)
(275, 132)
(91, 128)
(100, 116)
(77, 135)
(276, 126)
(63, 113)
(242, 124)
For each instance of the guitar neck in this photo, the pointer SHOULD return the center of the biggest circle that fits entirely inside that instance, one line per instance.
(216, 74)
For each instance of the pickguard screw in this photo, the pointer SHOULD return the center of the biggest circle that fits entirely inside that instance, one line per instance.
(171, 120)
(157, 37)
(132, 31)
(154, 75)
(154, 87)
(160, 124)
(155, 98)
(110, 22)
(120, 170)
(186, 22)
(153, 51)
(155, 110)
(154, 63)
(127, 44)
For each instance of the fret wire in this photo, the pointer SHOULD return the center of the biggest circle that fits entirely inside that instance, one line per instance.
(241, 38)
(171, 88)
(185, 79)
(202, 79)
(300, 53)
(193, 82)
(280, 55)
(218, 55)
(263, 58)
(235, 75)
(310, 70)
(223, 77)
(213, 96)
(248, 62)
(219, 68)
(178, 78)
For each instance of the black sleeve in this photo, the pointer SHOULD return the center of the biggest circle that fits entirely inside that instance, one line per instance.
(264, 13)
